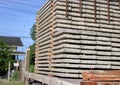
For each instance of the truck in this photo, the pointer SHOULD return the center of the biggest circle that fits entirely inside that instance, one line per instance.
(75, 36)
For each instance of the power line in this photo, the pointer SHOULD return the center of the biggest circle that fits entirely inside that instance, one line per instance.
(19, 36)
(20, 5)
(32, 0)
(21, 1)
(26, 4)
(17, 5)
(10, 7)
(23, 36)
(19, 10)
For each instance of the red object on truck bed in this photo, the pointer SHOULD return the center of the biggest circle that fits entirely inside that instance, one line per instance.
(108, 77)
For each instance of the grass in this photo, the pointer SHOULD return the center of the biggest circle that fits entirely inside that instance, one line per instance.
(11, 83)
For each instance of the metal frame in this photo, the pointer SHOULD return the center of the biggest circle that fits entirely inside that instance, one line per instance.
(80, 6)
(108, 6)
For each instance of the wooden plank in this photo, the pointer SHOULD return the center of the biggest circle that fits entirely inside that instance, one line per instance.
(77, 43)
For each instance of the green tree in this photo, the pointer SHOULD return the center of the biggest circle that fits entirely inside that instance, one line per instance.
(32, 49)
(32, 32)
(5, 56)
(32, 53)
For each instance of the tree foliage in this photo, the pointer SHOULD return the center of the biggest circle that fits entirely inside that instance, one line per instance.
(32, 32)
(5, 56)
(32, 49)
(32, 54)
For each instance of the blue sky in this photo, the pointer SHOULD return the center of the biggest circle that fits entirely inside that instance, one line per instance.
(17, 17)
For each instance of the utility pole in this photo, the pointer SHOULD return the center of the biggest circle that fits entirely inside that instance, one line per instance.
(9, 71)
(27, 65)
(27, 61)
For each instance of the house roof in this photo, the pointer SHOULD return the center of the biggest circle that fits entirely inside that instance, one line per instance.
(15, 41)
(20, 53)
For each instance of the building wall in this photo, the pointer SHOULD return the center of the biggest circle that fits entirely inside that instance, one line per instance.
(77, 35)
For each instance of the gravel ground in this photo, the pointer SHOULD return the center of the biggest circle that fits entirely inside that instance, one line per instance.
(5, 82)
